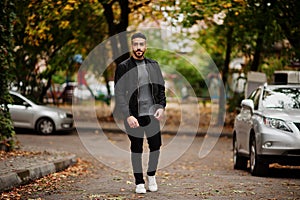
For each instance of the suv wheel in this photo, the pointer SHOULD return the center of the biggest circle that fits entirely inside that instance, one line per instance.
(239, 162)
(257, 166)
(45, 126)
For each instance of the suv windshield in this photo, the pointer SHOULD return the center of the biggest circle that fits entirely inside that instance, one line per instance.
(283, 98)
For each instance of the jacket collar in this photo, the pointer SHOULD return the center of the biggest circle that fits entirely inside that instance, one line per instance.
(133, 60)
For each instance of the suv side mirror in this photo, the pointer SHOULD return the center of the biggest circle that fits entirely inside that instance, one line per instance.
(248, 103)
(26, 104)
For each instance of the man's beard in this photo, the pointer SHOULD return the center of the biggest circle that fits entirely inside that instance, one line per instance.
(138, 55)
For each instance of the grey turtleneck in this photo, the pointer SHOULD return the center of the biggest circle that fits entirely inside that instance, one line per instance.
(144, 96)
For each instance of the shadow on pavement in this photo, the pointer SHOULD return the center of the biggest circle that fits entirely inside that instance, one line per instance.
(284, 172)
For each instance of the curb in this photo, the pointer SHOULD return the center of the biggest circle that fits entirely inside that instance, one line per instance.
(23, 176)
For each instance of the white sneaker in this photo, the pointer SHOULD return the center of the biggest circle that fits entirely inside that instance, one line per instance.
(152, 184)
(140, 189)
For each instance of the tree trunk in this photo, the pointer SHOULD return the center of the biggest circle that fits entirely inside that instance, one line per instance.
(120, 40)
(119, 54)
(45, 89)
(222, 99)
(258, 48)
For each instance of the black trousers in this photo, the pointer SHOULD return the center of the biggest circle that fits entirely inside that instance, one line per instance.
(150, 127)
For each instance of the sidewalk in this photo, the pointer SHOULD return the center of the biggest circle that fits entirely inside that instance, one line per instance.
(28, 164)
(22, 166)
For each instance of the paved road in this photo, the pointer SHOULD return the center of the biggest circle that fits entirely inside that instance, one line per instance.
(182, 174)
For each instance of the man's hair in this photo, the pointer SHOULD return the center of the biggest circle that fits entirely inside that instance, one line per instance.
(138, 35)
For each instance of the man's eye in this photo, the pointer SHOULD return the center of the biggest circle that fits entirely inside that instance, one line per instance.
(140, 44)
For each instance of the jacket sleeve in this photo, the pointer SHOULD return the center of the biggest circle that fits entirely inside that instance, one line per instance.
(121, 107)
(161, 97)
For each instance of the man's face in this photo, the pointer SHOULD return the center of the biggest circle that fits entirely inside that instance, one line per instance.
(138, 47)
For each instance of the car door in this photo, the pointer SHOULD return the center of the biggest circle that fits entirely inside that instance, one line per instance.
(21, 112)
(243, 124)
(255, 96)
(246, 127)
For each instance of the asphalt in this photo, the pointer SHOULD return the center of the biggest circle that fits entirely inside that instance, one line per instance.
(20, 169)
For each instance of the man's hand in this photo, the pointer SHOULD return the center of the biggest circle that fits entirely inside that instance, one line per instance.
(159, 114)
(132, 122)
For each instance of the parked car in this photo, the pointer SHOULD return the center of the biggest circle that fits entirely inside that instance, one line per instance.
(267, 129)
(67, 92)
(45, 119)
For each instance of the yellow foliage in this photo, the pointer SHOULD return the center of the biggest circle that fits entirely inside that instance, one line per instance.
(36, 43)
(40, 31)
(239, 1)
(50, 37)
(72, 1)
(74, 41)
(227, 5)
(43, 36)
(31, 17)
(64, 24)
(68, 8)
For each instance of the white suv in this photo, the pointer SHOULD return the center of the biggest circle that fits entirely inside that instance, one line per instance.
(267, 129)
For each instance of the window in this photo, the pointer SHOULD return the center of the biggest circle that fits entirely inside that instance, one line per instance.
(17, 100)
(282, 98)
(255, 97)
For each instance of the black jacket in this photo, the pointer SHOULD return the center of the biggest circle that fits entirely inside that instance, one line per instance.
(126, 86)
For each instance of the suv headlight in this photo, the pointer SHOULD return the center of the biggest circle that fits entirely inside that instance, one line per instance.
(62, 115)
(277, 123)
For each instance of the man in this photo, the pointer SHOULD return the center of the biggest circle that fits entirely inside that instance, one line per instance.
(140, 96)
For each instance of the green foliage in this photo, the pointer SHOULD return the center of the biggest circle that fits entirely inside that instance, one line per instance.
(213, 44)
(270, 65)
(249, 29)
(6, 33)
(257, 26)
(179, 70)
(288, 16)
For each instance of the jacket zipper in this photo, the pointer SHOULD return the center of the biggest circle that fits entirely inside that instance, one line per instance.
(138, 93)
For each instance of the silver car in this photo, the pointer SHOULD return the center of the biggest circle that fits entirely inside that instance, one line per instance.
(267, 129)
(44, 119)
